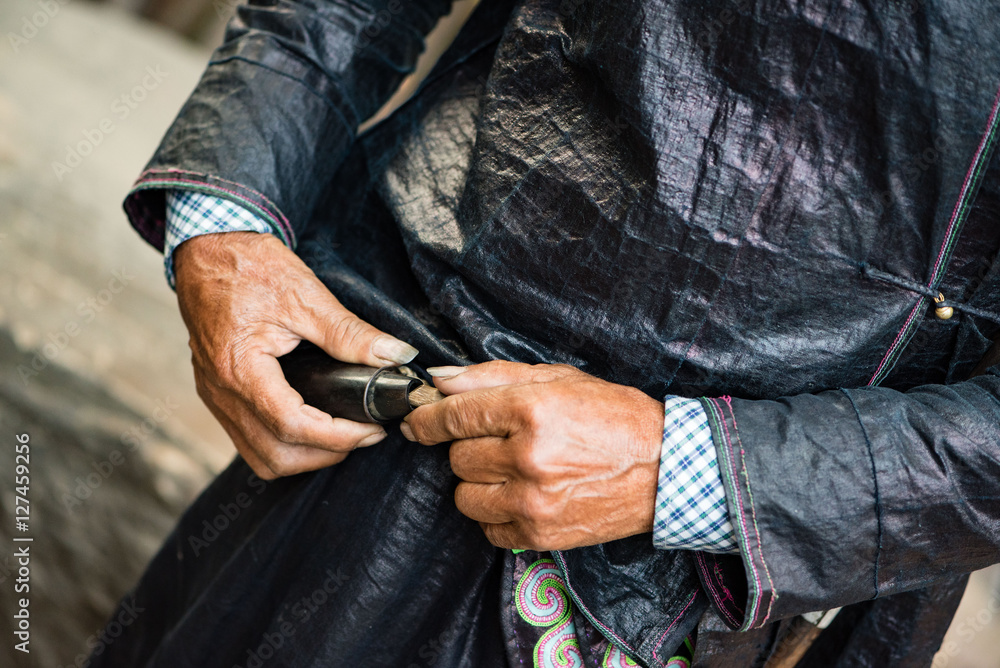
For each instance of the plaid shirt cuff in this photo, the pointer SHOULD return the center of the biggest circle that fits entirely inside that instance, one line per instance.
(191, 214)
(691, 508)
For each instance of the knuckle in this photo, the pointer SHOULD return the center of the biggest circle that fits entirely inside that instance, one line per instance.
(537, 511)
(535, 411)
(546, 509)
(285, 429)
(280, 464)
(454, 421)
(347, 330)
(263, 472)
(495, 535)
(532, 463)
(532, 537)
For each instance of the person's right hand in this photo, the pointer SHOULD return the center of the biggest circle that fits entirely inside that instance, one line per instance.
(247, 299)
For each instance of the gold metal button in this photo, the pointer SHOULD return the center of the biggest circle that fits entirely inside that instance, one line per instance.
(943, 312)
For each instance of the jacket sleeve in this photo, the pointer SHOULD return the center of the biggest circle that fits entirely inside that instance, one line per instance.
(850, 495)
(278, 107)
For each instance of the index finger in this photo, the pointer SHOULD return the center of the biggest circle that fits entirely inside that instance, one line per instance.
(489, 412)
(288, 417)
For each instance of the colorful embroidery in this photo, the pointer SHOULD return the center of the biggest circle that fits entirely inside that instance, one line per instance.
(542, 601)
(546, 626)
(615, 658)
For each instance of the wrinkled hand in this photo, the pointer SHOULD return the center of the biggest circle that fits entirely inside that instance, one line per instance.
(247, 300)
(549, 457)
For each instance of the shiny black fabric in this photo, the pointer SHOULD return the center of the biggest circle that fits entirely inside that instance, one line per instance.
(751, 201)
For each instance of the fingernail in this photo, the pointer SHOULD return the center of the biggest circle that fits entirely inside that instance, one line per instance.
(372, 439)
(393, 350)
(407, 431)
(445, 372)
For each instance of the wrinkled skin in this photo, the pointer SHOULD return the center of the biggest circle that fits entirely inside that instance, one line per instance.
(247, 300)
(550, 457)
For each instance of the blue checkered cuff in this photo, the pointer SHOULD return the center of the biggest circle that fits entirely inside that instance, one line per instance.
(691, 509)
(191, 214)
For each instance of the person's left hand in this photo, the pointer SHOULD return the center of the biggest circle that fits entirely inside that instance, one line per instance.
(549, 457)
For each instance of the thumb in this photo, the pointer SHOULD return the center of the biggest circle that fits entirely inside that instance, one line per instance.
(345, 336)
(457, 379)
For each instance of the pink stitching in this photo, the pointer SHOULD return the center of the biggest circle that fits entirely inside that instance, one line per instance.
(715, 595)
(717, 572)
(591, 615)
(281, 216)
(672, 625)
(281, 219)
(965, 184)
(753, 510)
(739, 499)
(951, 226)
(614, 635)
(281, 224)
(888, 352)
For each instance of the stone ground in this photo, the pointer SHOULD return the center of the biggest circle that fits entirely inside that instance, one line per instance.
(93, 357)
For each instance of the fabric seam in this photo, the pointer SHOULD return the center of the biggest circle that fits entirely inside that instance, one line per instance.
(670, 628)
(715, 594)
(584, 609)
(263, 208)
(282, 221)
(753, 511)
(878, 498)
(717, 417)
(951, 235)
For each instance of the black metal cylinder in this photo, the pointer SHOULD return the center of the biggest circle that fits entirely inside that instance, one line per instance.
(351, 391)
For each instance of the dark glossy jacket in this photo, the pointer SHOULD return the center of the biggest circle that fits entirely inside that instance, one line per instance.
(735, 199)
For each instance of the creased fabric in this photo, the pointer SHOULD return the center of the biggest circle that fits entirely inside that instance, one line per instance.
(752, 202)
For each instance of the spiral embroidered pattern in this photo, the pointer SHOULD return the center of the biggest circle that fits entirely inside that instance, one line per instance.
(541, 594)
(542, 601)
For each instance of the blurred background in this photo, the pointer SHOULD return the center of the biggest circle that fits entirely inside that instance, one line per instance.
(94, 364)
